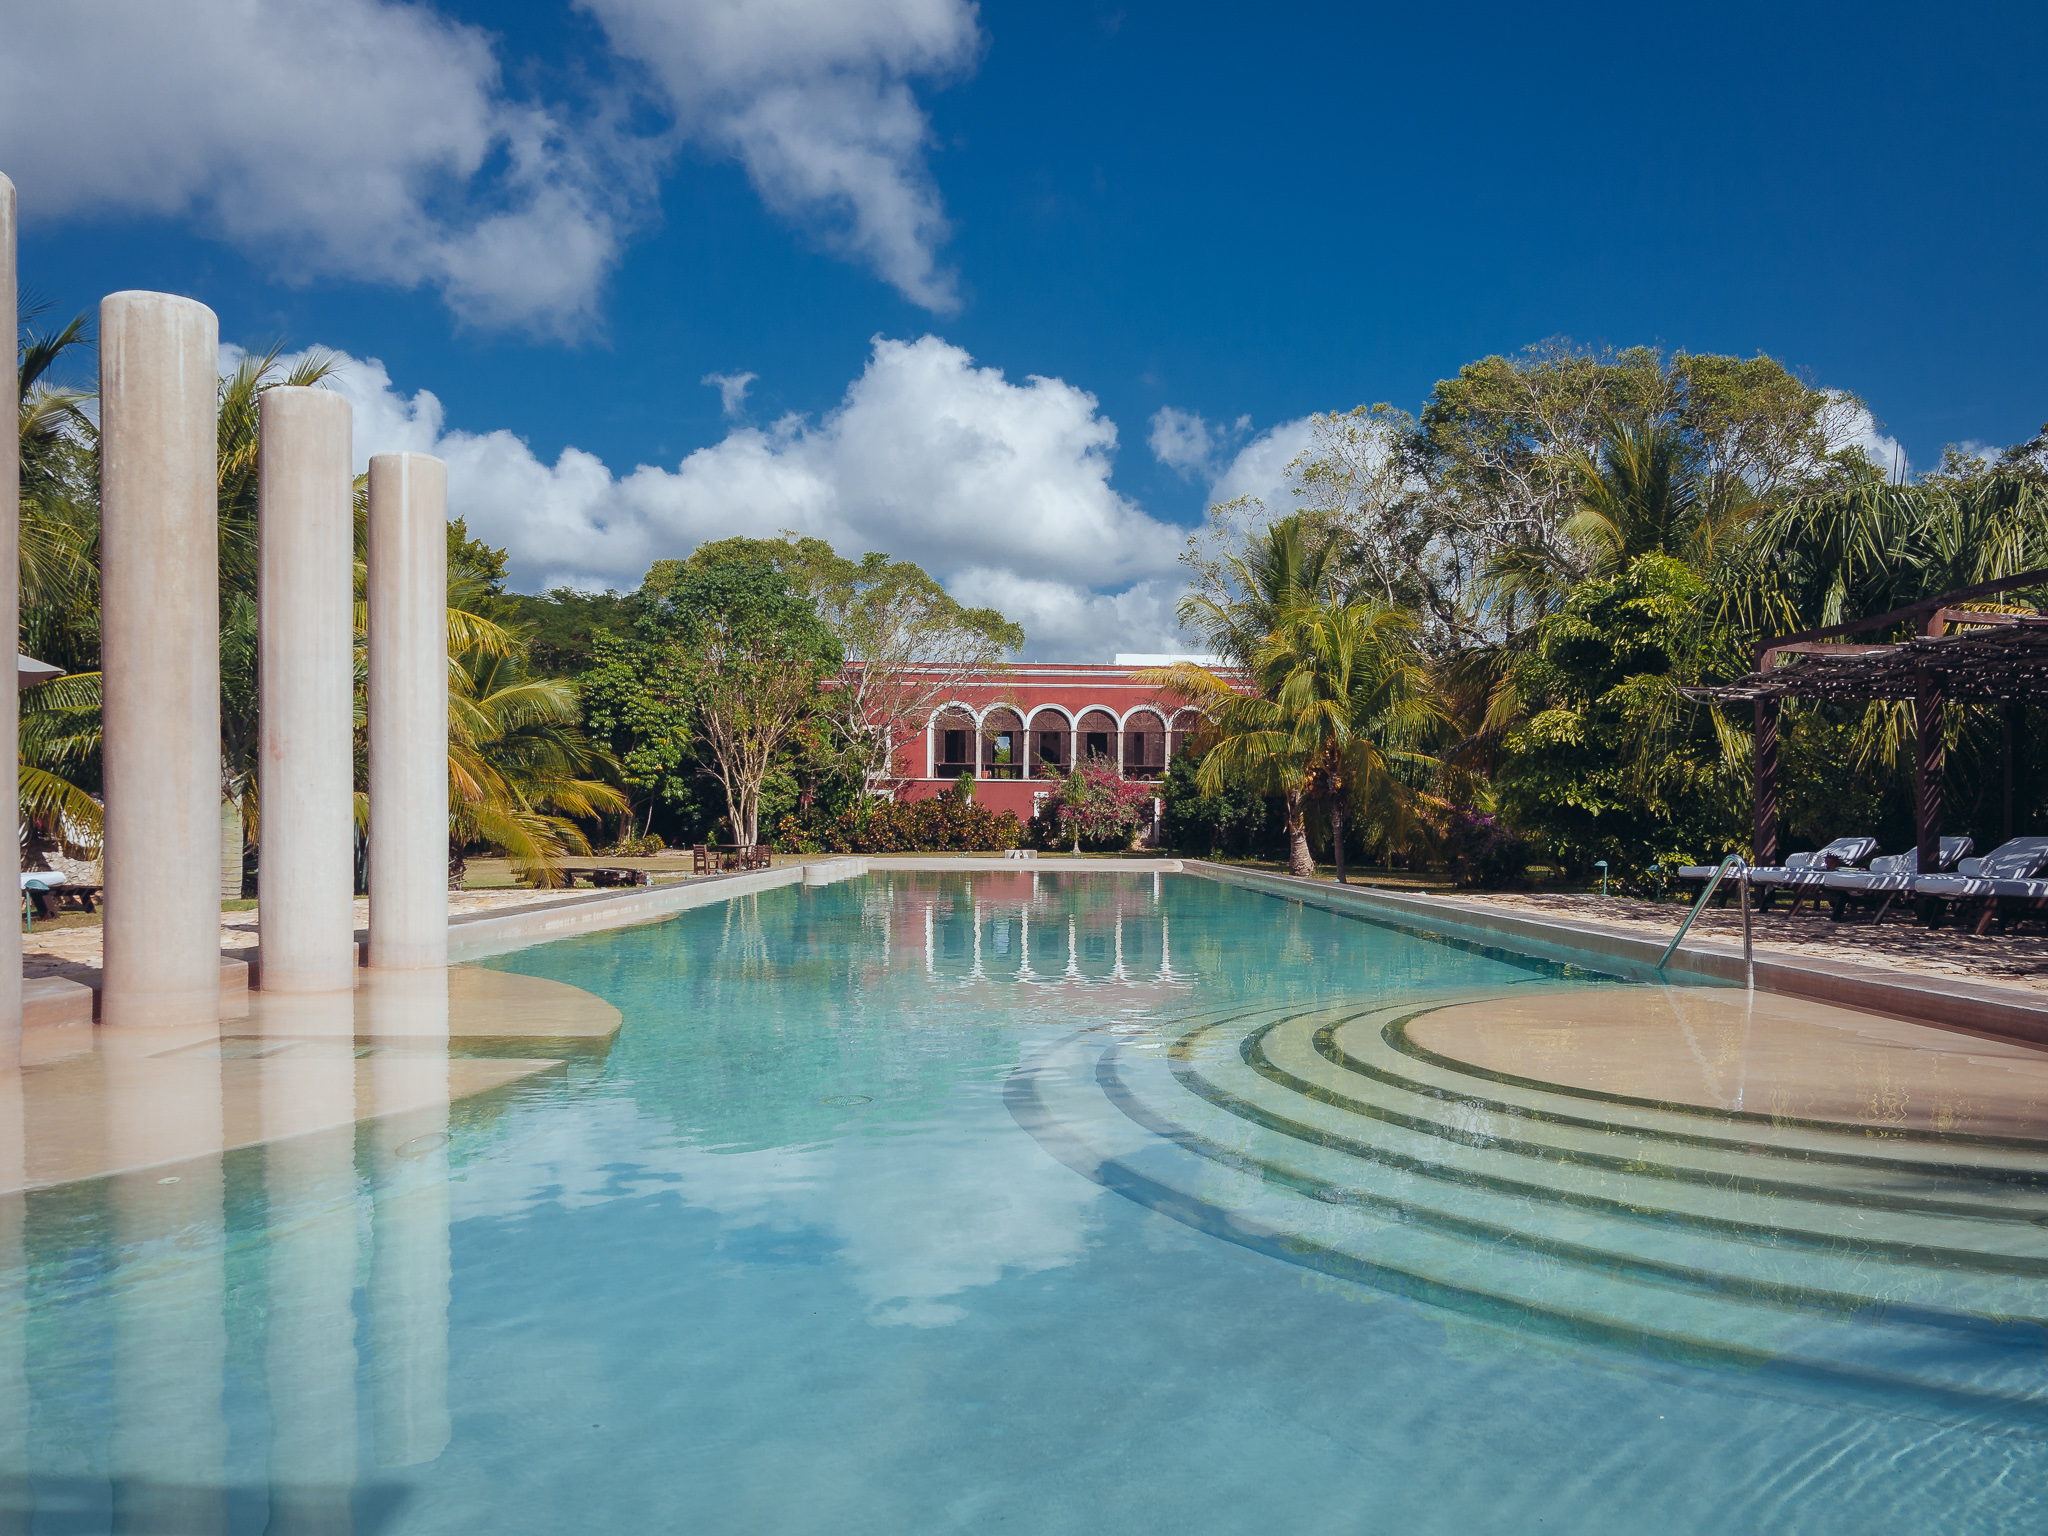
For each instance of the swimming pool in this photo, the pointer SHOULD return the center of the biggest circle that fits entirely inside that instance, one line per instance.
(1085, 1203)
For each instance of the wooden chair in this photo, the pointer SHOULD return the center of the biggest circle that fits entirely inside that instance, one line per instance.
(727, 858)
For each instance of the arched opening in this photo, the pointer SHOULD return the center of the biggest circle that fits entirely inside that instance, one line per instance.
(953, 735)
(1144, 746)
(1181, 732)
(1052, 745)
(1002, 744)
(1095, 735)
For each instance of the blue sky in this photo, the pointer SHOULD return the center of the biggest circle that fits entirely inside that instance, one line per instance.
(558, 220)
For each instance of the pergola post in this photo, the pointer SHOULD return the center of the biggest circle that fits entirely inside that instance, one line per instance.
(1764, 832)
(1928, 721)
(2010, 720)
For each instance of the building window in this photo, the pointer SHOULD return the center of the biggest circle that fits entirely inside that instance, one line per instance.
(1098, 744)
(956, 748)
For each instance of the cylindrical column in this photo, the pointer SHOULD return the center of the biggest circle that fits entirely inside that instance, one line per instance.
(10, 613)
(160, 656)
(305, 679)
(408, 711)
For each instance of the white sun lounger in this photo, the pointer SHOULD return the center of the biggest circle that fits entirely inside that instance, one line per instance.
(1888, 878)
(2002, 881)
(1802, 873)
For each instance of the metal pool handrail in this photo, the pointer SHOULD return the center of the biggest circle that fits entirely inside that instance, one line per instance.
(1748, 965)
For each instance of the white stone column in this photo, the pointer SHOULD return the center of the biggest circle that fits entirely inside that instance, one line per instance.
(10, 614)
(305, 686)
(408, 711)
(160, 654)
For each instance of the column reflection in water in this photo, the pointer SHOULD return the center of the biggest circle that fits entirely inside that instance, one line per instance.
(169, 1441)
(409, 1267)
(15, 1505)
(310, 1178)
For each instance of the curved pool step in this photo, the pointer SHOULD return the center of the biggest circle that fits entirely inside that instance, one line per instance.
(1550, 1228)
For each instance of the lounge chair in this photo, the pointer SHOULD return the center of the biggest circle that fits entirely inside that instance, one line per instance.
(1802, 873)
(2000, 885)
(1888, 878)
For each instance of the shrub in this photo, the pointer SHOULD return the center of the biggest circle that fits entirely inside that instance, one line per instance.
(1482, 851)
(1099, 807)
(633, 845)
(1232, 820)
(947, 824)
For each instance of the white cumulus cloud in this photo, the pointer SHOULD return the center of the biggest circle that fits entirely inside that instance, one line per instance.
(379, 141)
(1188, 442)
(328, 138)
(1849, 424)
(732, 389)
(813, 98)
(1260, 467)
(1000, 489)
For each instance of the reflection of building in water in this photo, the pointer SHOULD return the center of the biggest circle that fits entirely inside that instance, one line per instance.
(1025, 927)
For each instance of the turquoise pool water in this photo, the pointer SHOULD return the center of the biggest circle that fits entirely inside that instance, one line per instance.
(1047, 1204)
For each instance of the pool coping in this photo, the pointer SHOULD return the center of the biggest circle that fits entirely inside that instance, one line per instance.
(1946, 1002)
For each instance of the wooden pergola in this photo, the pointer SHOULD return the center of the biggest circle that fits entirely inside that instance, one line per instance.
(1961, 655)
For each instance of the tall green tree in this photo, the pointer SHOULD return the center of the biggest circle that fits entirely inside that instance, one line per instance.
(1342, 701)
(755, 654)
(636, 704)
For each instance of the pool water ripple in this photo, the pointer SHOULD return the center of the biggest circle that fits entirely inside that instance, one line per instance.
(1059, 1204)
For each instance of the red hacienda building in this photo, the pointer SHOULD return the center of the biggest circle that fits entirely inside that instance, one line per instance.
(1018, 732)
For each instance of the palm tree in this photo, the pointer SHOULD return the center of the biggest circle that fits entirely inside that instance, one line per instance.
(1295, 563)
(59, 479)
(1639, 494)
(520, 771)
(1342, 700)
(60, 746)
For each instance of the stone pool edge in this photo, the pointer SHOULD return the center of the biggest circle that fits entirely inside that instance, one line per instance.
(1945, 1002)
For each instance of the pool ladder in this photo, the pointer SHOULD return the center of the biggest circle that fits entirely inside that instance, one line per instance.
(1742, 883)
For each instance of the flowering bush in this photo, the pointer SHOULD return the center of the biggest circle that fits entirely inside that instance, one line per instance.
(1481, 850)
(948, 824)
(1099, 805)
(634, 845)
